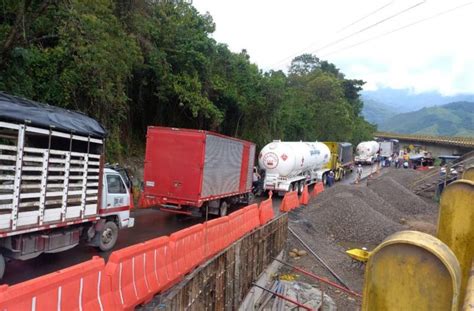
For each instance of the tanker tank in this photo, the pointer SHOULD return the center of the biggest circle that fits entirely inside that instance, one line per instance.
(367, 152)
(291, 165)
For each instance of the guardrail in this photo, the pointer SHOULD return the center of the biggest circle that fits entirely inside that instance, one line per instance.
(467, 142)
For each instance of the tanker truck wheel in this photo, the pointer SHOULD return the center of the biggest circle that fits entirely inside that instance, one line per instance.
(325, 179)
(108, 236)
(2, 266)
(300, 187)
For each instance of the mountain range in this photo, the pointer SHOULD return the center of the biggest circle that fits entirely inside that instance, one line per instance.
(402, 111)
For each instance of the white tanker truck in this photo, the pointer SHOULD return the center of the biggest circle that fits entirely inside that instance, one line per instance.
(366, 152)
(290, 165)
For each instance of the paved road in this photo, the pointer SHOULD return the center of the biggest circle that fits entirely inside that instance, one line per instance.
(149, 223)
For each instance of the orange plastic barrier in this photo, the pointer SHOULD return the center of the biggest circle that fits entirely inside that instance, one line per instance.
(251, 217)
(216, 236)
(189, 248)
(266, 211)
(304, 196)
(290, 201)
(160, 267)
(126, 269)
(236, 225)
(80, 287)
(318, 188)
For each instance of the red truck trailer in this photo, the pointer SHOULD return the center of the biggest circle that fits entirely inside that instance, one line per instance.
(191, 171)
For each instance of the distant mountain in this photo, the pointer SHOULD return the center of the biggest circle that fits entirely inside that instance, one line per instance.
(454, 119)
(376, 112)
(406, 100)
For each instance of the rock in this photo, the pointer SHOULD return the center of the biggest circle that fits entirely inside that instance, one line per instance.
(292, 254)
(295, 250)
(302, 253)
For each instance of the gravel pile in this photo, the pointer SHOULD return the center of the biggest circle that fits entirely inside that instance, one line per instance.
(400, 197)
(348, 218)
(406, 177)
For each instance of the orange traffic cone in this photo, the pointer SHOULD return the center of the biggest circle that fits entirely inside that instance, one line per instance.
(304, 196)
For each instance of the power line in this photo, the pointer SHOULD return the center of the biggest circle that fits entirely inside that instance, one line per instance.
(366, 16)
(400, 28)
(345, 27)
(370, 26)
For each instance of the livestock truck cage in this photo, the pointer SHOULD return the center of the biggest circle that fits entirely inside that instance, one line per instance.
(51, 168)
(193, 172)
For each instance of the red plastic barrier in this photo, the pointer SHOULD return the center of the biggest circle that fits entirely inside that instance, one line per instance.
(251, 217)
(189, 248)
(80, 287)
(216, 236)
(290, 201)
(160, 267)
(236, 225)
(304, 196)
(126, 269)
(266, 211)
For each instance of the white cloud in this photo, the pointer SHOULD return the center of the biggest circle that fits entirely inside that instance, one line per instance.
(434, 55)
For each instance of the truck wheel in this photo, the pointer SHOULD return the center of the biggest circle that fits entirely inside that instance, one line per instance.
(2, 266)
(325, 179)
(223, 209)
(108, 236)
(301, 187)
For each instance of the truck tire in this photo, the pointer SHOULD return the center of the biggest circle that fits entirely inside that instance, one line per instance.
(300, 187)
(223, 209)
(2, 266)
(324, 179)
(108, 236)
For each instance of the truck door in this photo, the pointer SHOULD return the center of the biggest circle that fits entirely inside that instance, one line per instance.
(115, 194)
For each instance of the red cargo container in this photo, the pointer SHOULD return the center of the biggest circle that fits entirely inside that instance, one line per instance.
(187, 171)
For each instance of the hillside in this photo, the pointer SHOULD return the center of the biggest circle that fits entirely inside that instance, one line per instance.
(454, 119)
(405, 100)
(376, 112)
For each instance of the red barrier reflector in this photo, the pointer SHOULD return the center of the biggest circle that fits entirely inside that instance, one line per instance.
(266, 211)
(216, 235)
(189, 248)
(236, 225)
(81, 287)
(126, 269)
(304, 200)
(159, 263)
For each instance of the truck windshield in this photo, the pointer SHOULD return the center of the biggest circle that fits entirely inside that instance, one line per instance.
(115, 184)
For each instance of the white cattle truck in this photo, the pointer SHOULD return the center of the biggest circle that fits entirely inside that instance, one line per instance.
(366, 152)
(291, 165)
(54, 189)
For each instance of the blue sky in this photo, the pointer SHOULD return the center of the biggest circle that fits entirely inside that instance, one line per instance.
(436, 55)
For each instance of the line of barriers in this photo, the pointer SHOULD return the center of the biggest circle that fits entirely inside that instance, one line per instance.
(135, 274)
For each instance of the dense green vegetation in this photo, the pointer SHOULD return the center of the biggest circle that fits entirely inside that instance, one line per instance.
(131, 64)
(454, 119)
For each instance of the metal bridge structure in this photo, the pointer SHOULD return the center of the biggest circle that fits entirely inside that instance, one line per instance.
(437, 145)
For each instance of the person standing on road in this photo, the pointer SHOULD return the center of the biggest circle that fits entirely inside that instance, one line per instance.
(330, 178)
(359, 173)
(255, 178)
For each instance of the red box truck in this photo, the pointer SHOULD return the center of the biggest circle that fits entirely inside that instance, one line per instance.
(194, 171)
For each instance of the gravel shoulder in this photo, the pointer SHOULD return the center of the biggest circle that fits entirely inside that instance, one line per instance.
(355, 216)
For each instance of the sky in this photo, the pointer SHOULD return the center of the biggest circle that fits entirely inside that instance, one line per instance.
(434, 55)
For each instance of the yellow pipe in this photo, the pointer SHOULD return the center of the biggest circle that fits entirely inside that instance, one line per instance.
(468, 174)
(456, 224)
(414, 271)
(469, 299)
